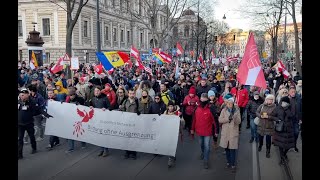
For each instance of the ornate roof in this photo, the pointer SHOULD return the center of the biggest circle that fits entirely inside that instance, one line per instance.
(188, 12)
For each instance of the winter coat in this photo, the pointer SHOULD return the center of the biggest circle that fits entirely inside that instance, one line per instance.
(189, 109)
(242, 96)
(253, 106)
(203, 121)
(82, 90)
(144, 105)
(266, 125)
(296, 108)
(100, 102)
(157, 108)
(286, 138)
(202, 89)
(229, 129)
(111, 95)
(128, 106)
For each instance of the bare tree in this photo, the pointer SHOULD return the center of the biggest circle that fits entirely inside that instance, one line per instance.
(71, 21)
(292, 8)
(266, 15)
(149, 11)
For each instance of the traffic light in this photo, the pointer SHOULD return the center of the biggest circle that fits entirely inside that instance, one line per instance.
(234, 37)
(215, 38)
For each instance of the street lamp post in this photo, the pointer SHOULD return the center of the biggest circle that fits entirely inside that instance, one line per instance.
(98, 28)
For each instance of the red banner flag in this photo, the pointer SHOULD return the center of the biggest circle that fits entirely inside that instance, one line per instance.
(250, 70)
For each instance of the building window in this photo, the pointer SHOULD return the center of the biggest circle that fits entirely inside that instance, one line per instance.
(106, 33)
(186, 31)
(113, 3)
(141, 39)
(120, 4)
(128, 5)
(47, 60)
(114, 34)
(85, 29)
(140, 7)
(87, 57)
(122, 35)
(20, 33)
(128, 36)
(46, 26)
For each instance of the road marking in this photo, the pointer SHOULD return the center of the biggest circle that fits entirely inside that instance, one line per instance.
(255, 162)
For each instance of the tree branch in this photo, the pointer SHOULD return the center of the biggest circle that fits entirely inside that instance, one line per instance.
(59, 5)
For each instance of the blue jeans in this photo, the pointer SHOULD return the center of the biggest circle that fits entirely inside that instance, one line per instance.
(253, 127)
(71, 144)
(205, 146)
(231, 156)
(103, 149)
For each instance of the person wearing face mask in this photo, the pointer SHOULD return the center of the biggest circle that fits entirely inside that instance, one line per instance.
(266, 114)
(145, 102)
(284, 140)
(230, 119)
(253, 105)
(202, 123)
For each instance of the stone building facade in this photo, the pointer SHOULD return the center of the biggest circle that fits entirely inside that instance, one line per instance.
(118, 29)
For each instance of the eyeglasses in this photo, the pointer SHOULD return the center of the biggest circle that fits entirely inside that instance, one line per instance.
(156, 98)
(120, 92)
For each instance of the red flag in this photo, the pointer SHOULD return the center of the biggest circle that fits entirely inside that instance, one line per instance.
(98, 69)
(124, 56)
(149, 70)
(111, 71)
(58, 66)
(166, 57)
(136, 54)
(202, 61)
(250, 70)
(281, 68)
(179, 49)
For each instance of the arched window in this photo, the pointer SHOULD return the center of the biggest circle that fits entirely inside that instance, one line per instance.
(186, 31)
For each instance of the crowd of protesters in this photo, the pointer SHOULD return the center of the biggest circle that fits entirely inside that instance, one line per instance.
(209, 101)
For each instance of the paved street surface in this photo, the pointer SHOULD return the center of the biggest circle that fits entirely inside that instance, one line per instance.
(84, 164)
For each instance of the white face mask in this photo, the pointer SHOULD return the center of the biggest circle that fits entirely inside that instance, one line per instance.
(256, 97)
(285, 104)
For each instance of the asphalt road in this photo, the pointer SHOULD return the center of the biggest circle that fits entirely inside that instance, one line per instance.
(84, 164)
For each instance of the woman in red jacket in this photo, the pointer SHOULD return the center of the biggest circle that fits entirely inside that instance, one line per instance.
(111, 95)
(203, 121)
(241, 96)
(190, 102)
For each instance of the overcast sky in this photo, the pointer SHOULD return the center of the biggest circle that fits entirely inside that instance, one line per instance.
(233, 17)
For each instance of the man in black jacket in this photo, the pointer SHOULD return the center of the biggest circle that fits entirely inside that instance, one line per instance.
(100, 101)
(27, 109)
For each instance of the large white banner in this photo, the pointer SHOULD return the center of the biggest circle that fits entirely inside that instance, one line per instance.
(148, 133)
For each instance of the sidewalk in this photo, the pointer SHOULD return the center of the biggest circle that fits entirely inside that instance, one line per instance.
(270, 168)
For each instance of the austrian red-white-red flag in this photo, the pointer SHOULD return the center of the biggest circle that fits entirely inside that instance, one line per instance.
(58, 66)
(136, 54)
(202, 61)
(281, 68)
(149, 70)
(166, 57)
(179, 49)
(250, 70)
